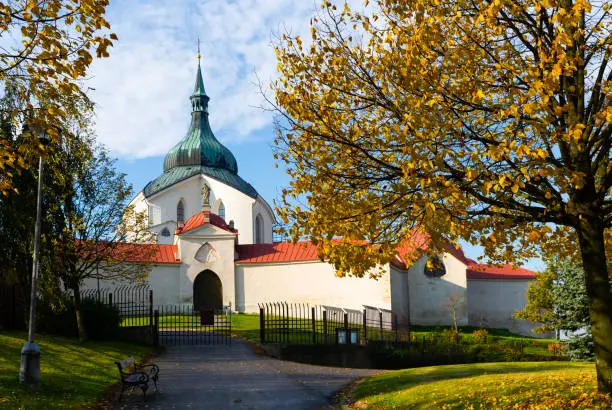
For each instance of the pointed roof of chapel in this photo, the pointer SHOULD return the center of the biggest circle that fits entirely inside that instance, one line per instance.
(199, 151)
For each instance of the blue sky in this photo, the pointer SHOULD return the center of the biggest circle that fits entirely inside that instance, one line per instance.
(142, 90)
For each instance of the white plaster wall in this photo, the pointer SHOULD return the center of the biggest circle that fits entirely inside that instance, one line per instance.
(262, 208)
(311, 282)
(238, 206)
(163, 279)
(400, 295)
(429, 297)
(223, 243)
(492, 303)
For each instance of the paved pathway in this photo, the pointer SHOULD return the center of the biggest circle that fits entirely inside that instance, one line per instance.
(235, 377)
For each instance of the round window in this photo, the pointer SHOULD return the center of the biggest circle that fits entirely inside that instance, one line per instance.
(434, 268)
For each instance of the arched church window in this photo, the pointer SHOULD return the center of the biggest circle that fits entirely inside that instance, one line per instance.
(180, 213)
(165, 232)
(258, 229)
(222, 210)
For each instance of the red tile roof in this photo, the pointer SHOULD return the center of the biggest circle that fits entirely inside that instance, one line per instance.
(198, 220)
(482, 271)
(475, 270)
(277, 252)
(418, 240)
(135, 252)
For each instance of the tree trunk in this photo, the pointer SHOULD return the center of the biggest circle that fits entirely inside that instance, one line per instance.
(78, 309)
(592, 248)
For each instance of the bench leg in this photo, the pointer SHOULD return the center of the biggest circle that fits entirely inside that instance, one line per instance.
(144, 388)
(155, 383)
(122, 390)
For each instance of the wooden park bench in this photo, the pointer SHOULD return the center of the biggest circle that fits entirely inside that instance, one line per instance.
(134, 375)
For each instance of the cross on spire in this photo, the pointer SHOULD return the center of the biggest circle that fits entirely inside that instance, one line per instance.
(199, 56)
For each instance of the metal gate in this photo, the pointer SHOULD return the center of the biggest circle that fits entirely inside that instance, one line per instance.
(182, 325)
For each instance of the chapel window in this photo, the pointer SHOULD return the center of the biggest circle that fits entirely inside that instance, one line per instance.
(258, 229)
(180, 213)
(434, 267)
(222, 210)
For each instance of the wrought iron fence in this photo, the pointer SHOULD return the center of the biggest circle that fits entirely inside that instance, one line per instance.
(301, 323)
(13, 304)
(182, 325)
(134, 303)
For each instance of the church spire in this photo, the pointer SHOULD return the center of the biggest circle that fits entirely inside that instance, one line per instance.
(200, 147)
(199, 99)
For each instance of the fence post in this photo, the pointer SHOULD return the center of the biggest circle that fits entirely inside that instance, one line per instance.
(262, 326)
(156, 328)
(365, 327)
(395, 327)
(110, 298)
(314, 326)
(346, 329)
(150, 307)
(382, 335)
(325, 327)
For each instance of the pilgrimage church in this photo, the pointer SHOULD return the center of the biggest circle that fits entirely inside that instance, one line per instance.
(214, 248)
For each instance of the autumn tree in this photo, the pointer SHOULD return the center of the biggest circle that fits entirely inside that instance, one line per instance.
(18, 206)
(470, 120)
(103, 235)
(47, 46)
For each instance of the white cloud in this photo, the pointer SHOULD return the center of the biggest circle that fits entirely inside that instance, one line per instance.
(142, 90)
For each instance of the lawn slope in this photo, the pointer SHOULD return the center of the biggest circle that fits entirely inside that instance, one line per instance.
(542, 385)
(73, 375)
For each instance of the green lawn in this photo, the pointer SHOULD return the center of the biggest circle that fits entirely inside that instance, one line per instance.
(73, 375)
(246, 326)
(545, 385)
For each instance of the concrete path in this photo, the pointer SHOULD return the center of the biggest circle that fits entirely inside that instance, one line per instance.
(235, 377)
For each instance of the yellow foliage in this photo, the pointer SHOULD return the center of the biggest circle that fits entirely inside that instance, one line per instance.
(57, 41)
(435, 116)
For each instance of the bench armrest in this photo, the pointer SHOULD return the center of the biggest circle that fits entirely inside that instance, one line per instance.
(152, 369)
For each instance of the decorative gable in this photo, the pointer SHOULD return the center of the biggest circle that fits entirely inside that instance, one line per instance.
(206, 254)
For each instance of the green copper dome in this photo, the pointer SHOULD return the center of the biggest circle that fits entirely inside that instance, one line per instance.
(199, 146)
(199, 152)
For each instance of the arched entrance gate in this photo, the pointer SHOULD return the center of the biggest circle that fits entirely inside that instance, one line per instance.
(205, 321)
(207, 291)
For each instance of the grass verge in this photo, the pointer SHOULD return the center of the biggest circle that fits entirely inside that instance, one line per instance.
(542, 385)
(74, 375)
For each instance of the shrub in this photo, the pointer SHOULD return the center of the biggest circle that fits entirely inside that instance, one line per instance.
(101, 320)
(450, 335)
(58, 318)
(556, 348)
(55, 316)
(480, 336)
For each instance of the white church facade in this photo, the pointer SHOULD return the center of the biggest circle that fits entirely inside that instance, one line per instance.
(214, 248)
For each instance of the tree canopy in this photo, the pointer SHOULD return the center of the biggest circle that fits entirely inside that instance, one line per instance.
(487, 121)
(47, 47)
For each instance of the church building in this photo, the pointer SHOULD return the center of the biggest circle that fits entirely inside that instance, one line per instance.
(214, 248)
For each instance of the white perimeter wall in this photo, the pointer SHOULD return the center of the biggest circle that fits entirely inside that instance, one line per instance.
(429, 298)
(311, 282)
(163, 279)
(492, 303)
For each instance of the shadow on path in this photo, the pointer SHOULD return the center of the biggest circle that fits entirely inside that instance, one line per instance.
(235, 377)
